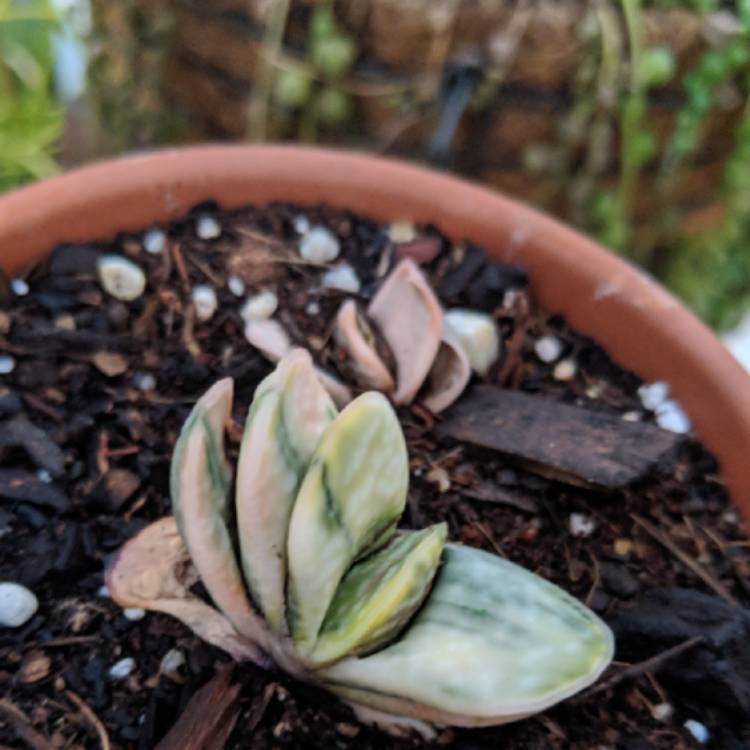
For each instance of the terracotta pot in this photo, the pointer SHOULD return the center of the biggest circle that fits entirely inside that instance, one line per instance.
(641, 325)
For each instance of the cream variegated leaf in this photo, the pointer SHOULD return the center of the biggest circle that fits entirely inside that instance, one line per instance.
(492, 643)
(353, 492)
(288, 415)
(200, 483)
(379, 595)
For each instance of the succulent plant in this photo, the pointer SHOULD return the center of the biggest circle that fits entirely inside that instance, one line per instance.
(308, 571)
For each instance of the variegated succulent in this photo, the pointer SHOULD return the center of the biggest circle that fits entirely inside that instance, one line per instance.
(306, 568)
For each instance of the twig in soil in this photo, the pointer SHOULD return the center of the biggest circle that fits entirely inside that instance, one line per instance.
(206, 271)
(71, 640)
(188, 335)
(11, 714)
(471, 516)
(91, 717)
(49, 411)
(595, 582)
(514, 345)
(179, 262)
(643, 667)
(259, 708)
(423, 416)
(685, 559)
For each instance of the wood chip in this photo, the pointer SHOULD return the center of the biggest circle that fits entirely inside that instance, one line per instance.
(35, 667)
(209, 717)
(22, 485)
(561, 442)
(11, 714)
(110, 364)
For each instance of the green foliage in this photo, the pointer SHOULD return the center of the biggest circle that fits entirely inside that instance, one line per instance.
(30, 117)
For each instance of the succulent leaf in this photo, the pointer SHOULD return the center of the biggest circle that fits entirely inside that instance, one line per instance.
(354, 490)
(285, 422)
(379, 595)
(200, 481)
(492, 643)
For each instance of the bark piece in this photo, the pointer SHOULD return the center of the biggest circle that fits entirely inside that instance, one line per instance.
(562, 442)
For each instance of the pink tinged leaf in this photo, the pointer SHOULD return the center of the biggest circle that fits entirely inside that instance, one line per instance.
(269, 337)
(409, 317)
(340, 393)
(153, 571)
(449, 375)
(351, 335)
(200, 484)
(288, 415)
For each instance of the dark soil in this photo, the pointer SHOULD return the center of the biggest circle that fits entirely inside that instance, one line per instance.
(85, 447)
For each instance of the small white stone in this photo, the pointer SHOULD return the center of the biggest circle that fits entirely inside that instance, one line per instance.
(103, 592)
(581, 525)
(478, 335)
(259, 306)
(402, 231)
(631, 416)
(301, 224)
(172, 661)
(121, 669)
(343, 277)
(154, 241)
(204, 302)
(319, 246)
(20, 287)
(121, 278)
(44, 476)
(670, 416)
(565, 369)
(7, 364)
(653, 394)
(662, 711)
(236, 286)
(134, 613)
(17, 605)
(207, 228)
(145, 381)
(698, 730)
(312, 308)
(548, 349)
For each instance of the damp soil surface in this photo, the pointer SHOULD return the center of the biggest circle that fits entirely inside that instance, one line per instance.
(89, 414)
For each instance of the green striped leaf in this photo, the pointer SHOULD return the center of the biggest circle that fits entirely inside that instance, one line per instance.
(354, 490)
(378, 596)
(200, 481)
(285, 422)
(492, 643)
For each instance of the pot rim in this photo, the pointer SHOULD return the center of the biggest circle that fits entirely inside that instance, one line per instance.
(639, 323)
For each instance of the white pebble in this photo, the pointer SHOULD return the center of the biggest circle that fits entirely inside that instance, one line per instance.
(698, 730)
(44, 476)
(172, 661)
(17, 605)
(145, 381)
(402, 231)
(312, 308)
(103, 592)
(207, 228)
(548, 348)
(20, 287)
(662, 711)
(121, 669)
(204, 302)
(269, 337)
(236, 286)
(301, 224)
(121, 278)
(154, 241)
(7, 364)
(631, 416)
(134, 613)
(478, 335)
(565, 369)
(260, 306)
(319, 246)
(653, 394)
(581, 525)
(342, 277)
(670, 416)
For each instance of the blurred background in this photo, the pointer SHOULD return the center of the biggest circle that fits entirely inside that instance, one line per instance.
(628, 118)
